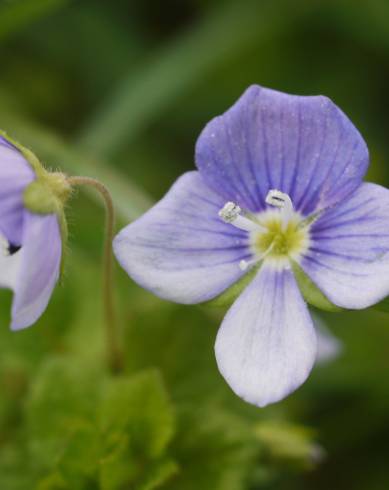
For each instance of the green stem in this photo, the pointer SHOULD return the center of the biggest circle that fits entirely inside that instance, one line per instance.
(115, 356)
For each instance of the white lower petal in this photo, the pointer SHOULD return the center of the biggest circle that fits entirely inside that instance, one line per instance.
(266, 345)
(9, 265)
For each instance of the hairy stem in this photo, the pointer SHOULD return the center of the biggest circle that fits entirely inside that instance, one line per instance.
(115, 356)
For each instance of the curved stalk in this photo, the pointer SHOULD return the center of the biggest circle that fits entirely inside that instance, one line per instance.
(115, 356)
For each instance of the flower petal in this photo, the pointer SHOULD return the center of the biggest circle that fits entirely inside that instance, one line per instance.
(181, 250)
(15, 174)
(348, 258)
(303, 146)
(266, 345)
(40, 259)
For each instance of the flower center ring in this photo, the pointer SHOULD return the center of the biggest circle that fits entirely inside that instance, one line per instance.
(276, 235)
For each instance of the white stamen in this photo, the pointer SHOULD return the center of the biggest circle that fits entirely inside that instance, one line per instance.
(230, 213)
(280, 200)
(245, 264)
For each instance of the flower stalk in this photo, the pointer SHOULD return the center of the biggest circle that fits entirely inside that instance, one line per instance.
(114, 352)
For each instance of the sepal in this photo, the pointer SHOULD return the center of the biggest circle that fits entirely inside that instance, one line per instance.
(311, 292)
(227, 297)
(47, 194)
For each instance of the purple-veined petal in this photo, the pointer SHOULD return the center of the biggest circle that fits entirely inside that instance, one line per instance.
(40, 260)
(181, 250)
(6, 143)
(349, 254)
(303, 146)
(15, 174)
(266, 345)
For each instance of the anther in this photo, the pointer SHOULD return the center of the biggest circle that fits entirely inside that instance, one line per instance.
(280, 200)
(231, 213)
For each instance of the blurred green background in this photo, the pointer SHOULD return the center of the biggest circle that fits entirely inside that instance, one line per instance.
(120, 90)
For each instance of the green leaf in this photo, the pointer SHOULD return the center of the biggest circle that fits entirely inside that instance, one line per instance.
(54, 481)
(137, 423)
(158, 474)
(140, 407)
(119, 471)
(79, 462)
(114, 431)
(214, 449)
(116, 464)
(61, 399)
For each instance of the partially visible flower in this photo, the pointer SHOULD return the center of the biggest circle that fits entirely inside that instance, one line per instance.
(32, 229)
(329, 347)
(277, 205)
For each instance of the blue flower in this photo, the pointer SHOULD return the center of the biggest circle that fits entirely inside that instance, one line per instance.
(277, 203)
(31, 231)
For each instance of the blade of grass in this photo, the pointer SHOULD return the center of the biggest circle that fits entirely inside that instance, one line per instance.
(148, 91)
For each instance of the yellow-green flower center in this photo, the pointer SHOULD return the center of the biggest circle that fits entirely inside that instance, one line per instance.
(278, 235)
(281, 239)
